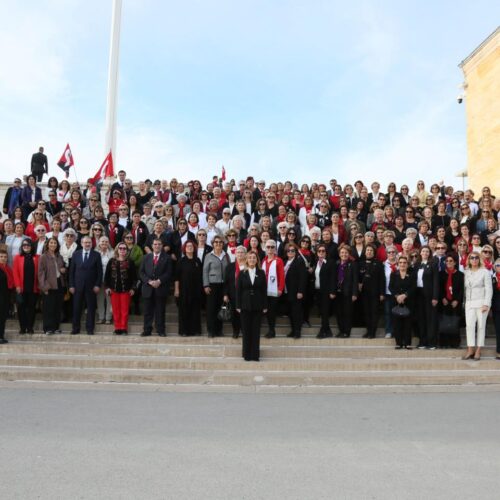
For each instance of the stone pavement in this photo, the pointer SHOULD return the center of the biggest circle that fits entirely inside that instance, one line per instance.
(90, 444)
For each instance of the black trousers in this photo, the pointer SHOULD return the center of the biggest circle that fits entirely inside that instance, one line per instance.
(344, 313)
(496, 319)
(322, 300)
(295, 313)
(370, 306)
(189, 317)
(250, 324)
(26, 311)
(214, 303)
(154, 311)
(402, 330)
(51, 310)
(454, 340)
(235, 319)
(82, 298)
(272, 312)
(308, 300)
(38, 174)
(426, 315)
(4, 311)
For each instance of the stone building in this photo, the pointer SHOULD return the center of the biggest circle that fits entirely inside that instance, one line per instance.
(482, 103)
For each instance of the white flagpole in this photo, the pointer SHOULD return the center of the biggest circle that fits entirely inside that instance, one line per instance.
(114, 52)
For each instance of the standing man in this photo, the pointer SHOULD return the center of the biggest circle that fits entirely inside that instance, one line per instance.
(155, 274)
(39, 164)
(85, 280)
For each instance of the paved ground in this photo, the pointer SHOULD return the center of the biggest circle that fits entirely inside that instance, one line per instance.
(72, 444)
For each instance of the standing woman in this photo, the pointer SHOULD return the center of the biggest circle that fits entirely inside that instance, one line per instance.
(495, 304)
(347, 291)
(451, 292)
(296, 277)
(402, 287)
(6, 285)
(51, 274)
(251, 303)
(188, 289)
(478, 295)
(231, 275)
(214, 269)
(120, 281)
(371, 288)
(325, 286)
(26, 282)
(14, 242)
(310, 262)
(104, 305)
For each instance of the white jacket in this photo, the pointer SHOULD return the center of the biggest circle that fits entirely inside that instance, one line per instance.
(478, 288)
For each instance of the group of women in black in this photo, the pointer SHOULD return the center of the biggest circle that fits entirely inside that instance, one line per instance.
(330, 241)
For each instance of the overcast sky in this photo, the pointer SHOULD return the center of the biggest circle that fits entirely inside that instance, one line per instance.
(279, 89)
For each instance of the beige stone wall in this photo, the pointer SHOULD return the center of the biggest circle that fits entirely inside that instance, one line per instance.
(482, 79)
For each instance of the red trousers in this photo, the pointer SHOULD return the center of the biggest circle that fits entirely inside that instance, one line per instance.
(120, 303)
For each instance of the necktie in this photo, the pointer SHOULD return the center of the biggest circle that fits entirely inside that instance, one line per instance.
(441, 263)
(155, 260)
(85, 257)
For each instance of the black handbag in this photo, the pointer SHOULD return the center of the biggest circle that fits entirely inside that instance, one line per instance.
(224, 313)
(19, 298)
(449, 324)
(400, 311)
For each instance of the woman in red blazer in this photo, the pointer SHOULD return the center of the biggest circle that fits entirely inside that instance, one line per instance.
(25, 269)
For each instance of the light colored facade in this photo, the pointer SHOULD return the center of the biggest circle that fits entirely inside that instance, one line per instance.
(482, 84)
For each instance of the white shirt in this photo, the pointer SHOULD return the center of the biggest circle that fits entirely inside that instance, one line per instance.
(251, 273)
(420, 276)
(316, 274)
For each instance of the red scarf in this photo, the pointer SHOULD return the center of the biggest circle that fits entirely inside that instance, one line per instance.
(305, 252)
(181, 210)
(463, 260)
(10, 276)
(498, 281)
(488, 264)
(449, 285)
(393, 268)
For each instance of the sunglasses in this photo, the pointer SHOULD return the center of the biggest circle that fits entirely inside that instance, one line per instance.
(474, 258)
(486, 251)
(217, 242)
(122, 248)
(321, 251)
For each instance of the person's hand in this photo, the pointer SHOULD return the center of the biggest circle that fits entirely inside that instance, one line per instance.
(72, 290)
(360, 287)
(18, 289)
(445, 302)
(382, 298)
(108, 291)
(434, 302)
(332, 296)
(264, 311)
(46, 292)
(96, 289)
(226, 298)
(484, 309)
(300, 295)
(280, 293)
(132, 293)
(208, 290)
(62, 270)
(454, 304)
(354, 298)
(239, 311)
(176, 293)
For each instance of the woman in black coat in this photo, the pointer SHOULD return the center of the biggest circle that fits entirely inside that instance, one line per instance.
(347, 291)
(325, 286)
(295, 288)
(402, 287)
(451, 293)
(251, 303)
(371, 288)
(231, 275)
(178, 238)
(495, 303)
(188, 290)
(6, 284)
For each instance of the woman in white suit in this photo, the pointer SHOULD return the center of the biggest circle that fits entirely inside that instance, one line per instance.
(478, 295)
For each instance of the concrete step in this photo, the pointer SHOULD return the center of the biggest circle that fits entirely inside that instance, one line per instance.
(221, 364)
(253, 377)
(230, 350)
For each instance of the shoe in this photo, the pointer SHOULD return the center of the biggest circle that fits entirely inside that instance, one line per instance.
(30, 331)
(477, 356)
(432, 348)
(75, 332)
(468, 355)
(236, 335)
(388, 336)
(109, 322)
(297, 336)
(145, 334)
(346, 335)
(102, 322)
(49, 332)
(270, 335)
(162, 335)
(497, 356)
(339, 335)
(117, 332)
(365, 336)
(211, 335)
(306, 324)
(320, 335)
(420, 346)
(408, 347)
(3, 341)
(328, 335)
(371, 336)
(58, 331)
(399, 347)
(22, 331)
(291, 335)
(90, 333)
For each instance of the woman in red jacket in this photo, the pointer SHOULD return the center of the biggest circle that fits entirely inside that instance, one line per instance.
(25, 270)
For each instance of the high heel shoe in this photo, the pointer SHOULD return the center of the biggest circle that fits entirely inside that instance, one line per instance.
(468, 355)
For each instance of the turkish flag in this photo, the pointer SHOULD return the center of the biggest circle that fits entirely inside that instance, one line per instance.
(105, 170)
(66, 161)
(223, 176)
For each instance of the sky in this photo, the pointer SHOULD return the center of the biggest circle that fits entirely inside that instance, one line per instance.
(278, 89)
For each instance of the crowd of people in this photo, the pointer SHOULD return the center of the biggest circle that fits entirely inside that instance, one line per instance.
(423, 262)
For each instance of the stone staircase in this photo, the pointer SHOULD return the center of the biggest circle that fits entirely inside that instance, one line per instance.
(200, 363)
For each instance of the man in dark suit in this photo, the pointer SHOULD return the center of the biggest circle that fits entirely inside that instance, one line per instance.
(155, 274)
(39, 165)
(85, 280)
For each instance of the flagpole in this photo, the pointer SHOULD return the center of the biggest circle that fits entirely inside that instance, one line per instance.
(114, 52)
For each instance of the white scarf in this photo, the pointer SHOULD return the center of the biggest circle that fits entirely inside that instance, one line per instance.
(272, 278)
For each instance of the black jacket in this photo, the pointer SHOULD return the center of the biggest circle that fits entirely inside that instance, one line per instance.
(230, 281)
(430, 279)
(162, 271)
(85, 275)
(251, 296)
(327, 277)
(296, 278)
(457, 285)
(349, 285)
(495, 301)
(39, 163)
(398, 286)
(372, 277)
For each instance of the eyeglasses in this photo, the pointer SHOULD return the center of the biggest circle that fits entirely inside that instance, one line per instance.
(217, 242)
(391, 251)
(122, 248)
(40, 230)
(38, 213)
(52, 195)
(128, 238)
(123, 209)
(270, 246)
(476, 238)
(358, 237)
(182, 223)
(321, 250)
(486, 251)
(231, 236)
(497, 265)
(70, 235)
(440, 248)
(291, 250)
